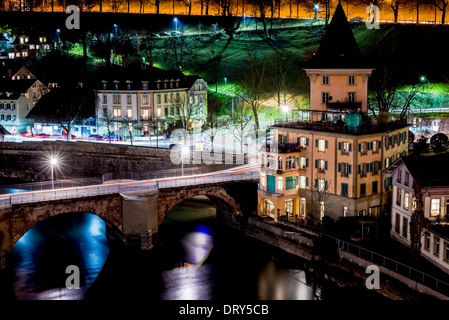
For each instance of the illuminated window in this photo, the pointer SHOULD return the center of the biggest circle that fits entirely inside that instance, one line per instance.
(280, 184)
(145, 113)
(130, 113)
(290, 162)
(302, 207)
(303, 182)
(435, 207)
(321, 144)
(289, 207)
(406, 200)
(145, 99)
(271, 162)
(117, 112)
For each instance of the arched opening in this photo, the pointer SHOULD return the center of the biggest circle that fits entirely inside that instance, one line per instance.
(60, 253)
(267, 208)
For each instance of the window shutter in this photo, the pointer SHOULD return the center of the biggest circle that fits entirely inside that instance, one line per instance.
(325, 143)
(350, 147)
(360, 147)
(307, 181)
(349, 169)
(339, 146)
(298, 139)
(325, 184)
(298, 161)
(359, 169)
(380, 144)
(371, 167)
(307, 142)
(316, 143)
(307, 162)
(316, 183)
(316, 163)
(325, 165)
(339, 167)
(367, 167)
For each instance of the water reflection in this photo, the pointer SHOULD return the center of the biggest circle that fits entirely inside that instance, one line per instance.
(44, 252)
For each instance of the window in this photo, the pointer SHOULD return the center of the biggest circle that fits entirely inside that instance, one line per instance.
(303, 182)
(28, 106)
(345, 147)
(397, 223)
(321, 165)
(375, 146)
(399, 177)
(145, 99)
(362, 169)
(325, 97)
(345, 169)
(345, 211)
(165, 98)
(351, 80)
(351, 97)
(325, 80)
(374, 187)
(405, 227)
(321, 185)
(105, 98)
(446, 251)
(280, 184)
(116, 86)
(406, 200)
(289, 207)
(436, 245)
(158, 99)
(302, 162)
(427, 241)
(407, 178)
(363, 148)
(271, 183)
(144, 86)
(34, 95)
(128, 99)
(321, 144)
(145, 113)
(128, 86)
(302, 207)
(117, 112)
(13, 106)
(279, 163)
(362, 189)
(116, 99)
(398, 196)
(130, 113)
(290, 163)
(344, 189)
(271, 162)
(303, 142)
(435, 207)
(158, 85)
(290, 183)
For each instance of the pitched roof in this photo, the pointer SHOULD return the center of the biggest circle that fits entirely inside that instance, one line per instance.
(431, 171)
(12, 89)
(136, 75)
(338, 49)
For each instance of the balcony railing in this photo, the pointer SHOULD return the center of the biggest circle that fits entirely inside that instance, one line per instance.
(344, 105)
(283, 148)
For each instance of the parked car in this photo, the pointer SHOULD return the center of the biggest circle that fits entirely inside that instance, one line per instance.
(356, 19)
(42, 135)
(96, 137)
(113, 138)
(176, 33)
(164, 34)
(154, 35)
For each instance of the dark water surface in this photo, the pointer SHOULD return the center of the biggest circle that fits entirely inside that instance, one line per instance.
(195, 259)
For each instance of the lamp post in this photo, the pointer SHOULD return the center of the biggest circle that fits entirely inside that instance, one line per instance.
(53, 163)
(115, 28)
(425, 79)
(176, 24)
(285, 110)
(225, 80)
(184, 151)
(244, 21)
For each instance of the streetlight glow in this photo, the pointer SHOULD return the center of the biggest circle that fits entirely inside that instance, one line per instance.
(423, 78)
(176, 24)
(53, 163)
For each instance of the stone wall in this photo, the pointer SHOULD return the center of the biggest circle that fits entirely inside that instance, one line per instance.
(27, 160)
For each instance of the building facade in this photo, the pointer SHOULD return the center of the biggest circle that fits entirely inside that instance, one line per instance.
(149, 104)
(17, 98)
(331, 165)
(433, 179)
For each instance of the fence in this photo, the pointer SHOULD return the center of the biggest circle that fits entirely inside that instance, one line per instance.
(48, 185)
(393, 265)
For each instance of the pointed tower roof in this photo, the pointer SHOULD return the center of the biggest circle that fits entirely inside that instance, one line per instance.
(338, 48)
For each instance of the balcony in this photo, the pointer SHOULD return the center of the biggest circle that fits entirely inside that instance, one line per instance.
(344, 106)
(283, 148)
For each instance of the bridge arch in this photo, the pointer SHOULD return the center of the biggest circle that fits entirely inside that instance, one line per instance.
(171, 197)
(25, 216)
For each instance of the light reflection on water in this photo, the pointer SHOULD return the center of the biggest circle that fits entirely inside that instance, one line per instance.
(46, 250)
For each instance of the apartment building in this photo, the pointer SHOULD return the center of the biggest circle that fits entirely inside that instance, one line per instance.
(432, 176)
(150, 99)
(331, 165)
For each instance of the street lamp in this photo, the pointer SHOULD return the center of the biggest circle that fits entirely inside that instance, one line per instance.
(115, 28)
(176, 24)
(244, 20)
(285, 110)
(225, 80)
(425, 79)
(53, 163)
(184, 152)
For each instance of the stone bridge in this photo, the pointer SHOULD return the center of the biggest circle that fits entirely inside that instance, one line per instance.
(131, 213)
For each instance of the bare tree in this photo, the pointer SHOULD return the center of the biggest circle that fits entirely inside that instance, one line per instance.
(186, 111)
(238, 123)
(279, 78)
(417, 221)
(107, 120)
(252, 85)
(188, 4)
(442, 6)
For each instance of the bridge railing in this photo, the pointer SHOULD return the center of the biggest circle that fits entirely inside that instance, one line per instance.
(96, 190)
(48, 185)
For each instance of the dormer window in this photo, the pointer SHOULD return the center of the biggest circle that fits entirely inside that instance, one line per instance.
(144, 86)
(105, 84)
(171, 84)
(116, 83)
(128, 85)
(158, 85)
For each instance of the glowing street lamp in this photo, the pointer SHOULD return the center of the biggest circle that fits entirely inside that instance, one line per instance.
(176, 24)
(425, 79)
(225, 80)
(53, 163)
(244, 21)
(285, 109)
(115, 28)
(184, 152)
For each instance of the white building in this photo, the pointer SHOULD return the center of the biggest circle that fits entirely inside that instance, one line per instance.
(147, 97)
(432, 173)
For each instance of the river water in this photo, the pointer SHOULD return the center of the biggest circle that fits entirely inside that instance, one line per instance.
(195, 259)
